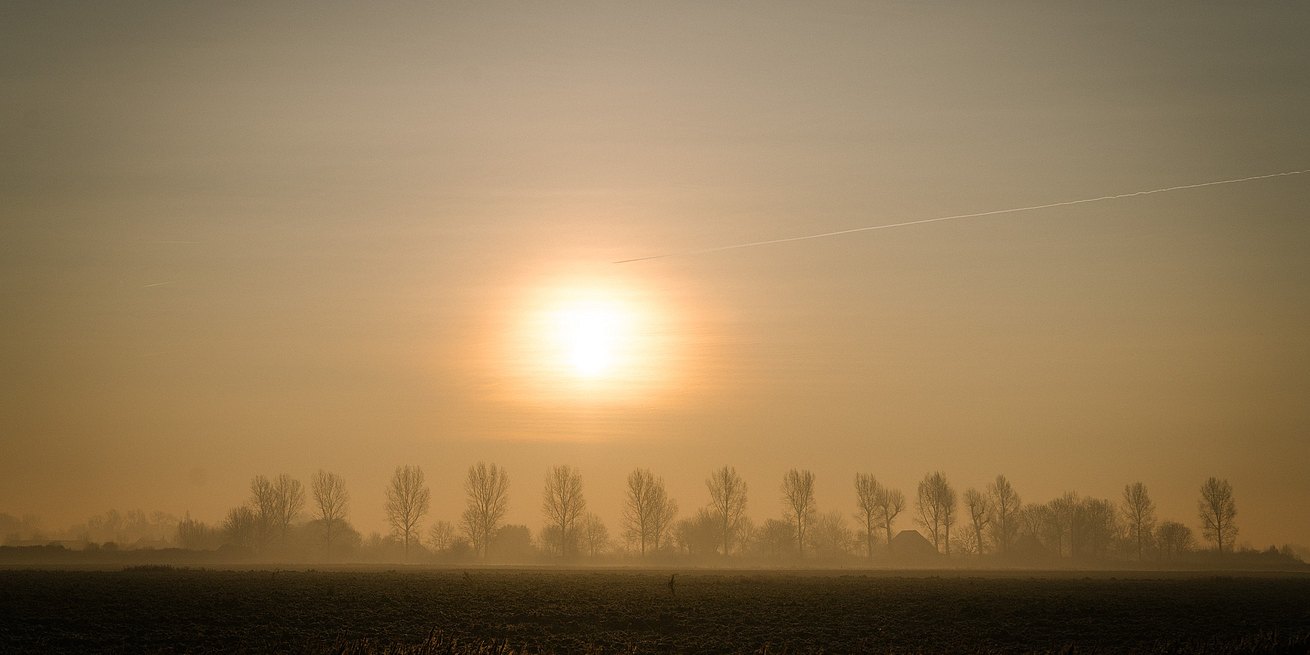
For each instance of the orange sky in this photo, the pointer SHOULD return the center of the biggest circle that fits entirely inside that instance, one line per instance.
(274, 240)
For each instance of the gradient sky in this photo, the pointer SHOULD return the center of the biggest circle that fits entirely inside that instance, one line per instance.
(263, 238)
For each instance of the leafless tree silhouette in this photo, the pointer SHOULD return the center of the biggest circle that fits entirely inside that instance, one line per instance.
(240, 526)
(979, 507)
(441, 535)
(407, 501)
(486, 490)
(264, 504)
(647, 510)
(728, 502)
(1218, 511)
(1005, 504)
(1060, 521)
(663, 511)
(890, 503)
(1094, 528)
(331, 500)
(868, 493)
(594, 534)
(1174, 539)
(936, 505)
(699, 534)
(289, 498)
(830, 535)
(798, 498)
(1139, 512)
(563, 504)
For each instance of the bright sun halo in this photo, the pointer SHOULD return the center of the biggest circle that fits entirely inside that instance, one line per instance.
(589, 337)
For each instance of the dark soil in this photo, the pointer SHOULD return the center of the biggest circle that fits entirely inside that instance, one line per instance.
(165, 610)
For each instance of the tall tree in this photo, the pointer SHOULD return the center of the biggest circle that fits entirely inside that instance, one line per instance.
(1061, 524)
(331, 500)
(264, 506)
(1005, 506)
(798, 499)
(662, 512)
(728, 503)
(980, 509)
(563, 504)
(407, 501)
(486, 491)
(1218, 511)
(890, 502)
(1139, 512)
(289, 498)
(647, 510)
(594, 534)
(867, 495)
(937, 504)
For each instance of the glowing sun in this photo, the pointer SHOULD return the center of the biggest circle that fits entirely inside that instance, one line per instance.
(602, 340)
(592, 337)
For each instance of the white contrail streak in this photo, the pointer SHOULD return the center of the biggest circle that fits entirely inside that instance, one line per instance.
(1011, 210)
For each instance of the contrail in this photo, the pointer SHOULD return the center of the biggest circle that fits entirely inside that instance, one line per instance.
(158, 284)
(1011, 210)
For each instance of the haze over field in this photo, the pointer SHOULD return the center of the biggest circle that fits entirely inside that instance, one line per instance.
(278, 239)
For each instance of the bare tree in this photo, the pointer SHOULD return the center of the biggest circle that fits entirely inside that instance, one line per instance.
(487, 499)
(798, 496)
(636, 508)
(979, 507)
(1218, 511)
(774, 538)
(289, 498)
(1005, 505)
(890, 502)
(1174, 539)
(647, 510)
(867, 495)
(830, 536)
(240, 525)
(563, 504)
(594, 534)
(1139, 512)
(264, 505)
(331, 500)
(194, 535)
(441, 535)
(1060, 521)
(936, 505)
(728, 502)
(1094, 528)
(662, 511)
(698, 535)
(1034, 520)
(407, 502)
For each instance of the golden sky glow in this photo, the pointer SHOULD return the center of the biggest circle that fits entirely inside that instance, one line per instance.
(589, 340)
(276, 239)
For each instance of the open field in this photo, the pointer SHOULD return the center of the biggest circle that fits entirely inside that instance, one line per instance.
(176, 610)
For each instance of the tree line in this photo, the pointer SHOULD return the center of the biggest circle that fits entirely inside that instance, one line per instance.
(988, 522)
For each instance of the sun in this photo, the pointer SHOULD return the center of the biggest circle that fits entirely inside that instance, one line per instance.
(591, 338)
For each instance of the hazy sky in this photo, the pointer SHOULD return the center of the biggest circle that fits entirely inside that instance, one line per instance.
(262, 238)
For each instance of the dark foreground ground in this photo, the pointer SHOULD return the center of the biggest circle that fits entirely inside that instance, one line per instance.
(511, 611)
